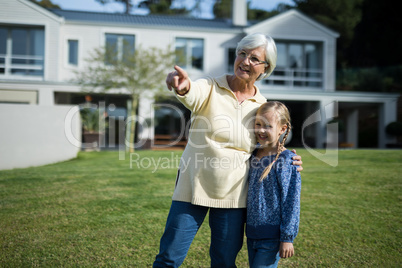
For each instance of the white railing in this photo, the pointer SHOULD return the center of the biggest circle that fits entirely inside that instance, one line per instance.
(10, 69)
(296, 77)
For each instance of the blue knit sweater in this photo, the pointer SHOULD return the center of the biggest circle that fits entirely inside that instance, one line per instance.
(273, 206)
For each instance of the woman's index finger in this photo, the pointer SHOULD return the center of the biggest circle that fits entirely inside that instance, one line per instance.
(180, 71)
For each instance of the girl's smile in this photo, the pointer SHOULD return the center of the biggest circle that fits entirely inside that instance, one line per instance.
(268, 130)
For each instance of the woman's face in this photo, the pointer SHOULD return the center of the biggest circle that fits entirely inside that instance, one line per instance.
(250, 63)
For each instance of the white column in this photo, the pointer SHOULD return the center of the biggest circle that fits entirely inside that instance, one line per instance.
(352, 128)
(325, 135)
(387, 114)
(145, 115)
(320, 127)
(309, 132)
(46, 97)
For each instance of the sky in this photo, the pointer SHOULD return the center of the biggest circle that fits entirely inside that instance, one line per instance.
(92, 5)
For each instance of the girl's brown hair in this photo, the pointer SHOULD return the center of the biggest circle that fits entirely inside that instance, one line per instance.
(283, 115)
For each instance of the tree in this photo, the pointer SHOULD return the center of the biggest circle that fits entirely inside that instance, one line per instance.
(164, 7)
(368, 55)
(223, 9)
(46, 4)
(161, 7)
(377, 40)
(340, 15)
(127, 3)
(137, 72)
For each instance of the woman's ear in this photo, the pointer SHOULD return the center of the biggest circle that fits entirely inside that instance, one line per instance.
(266, 68)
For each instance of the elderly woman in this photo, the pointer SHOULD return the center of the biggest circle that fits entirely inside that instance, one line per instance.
(213, 169)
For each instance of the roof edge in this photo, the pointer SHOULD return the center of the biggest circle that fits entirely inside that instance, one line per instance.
(53, 11)
(300, 15)
(42, 10)
(152, 21)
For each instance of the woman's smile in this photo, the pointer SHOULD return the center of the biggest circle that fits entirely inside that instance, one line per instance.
(244, 70)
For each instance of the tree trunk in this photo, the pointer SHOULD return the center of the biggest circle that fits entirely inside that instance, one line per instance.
(128, 7)
(133, 121)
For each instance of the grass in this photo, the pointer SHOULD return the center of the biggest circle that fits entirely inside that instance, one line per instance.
(96, 211)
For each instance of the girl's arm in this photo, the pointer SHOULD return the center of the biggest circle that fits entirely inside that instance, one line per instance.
(286, 250)
(290, 187)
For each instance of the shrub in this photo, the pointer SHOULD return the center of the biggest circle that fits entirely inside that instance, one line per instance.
(394, 129)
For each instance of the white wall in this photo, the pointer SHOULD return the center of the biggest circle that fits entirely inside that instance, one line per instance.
(34, 135)
(93, 36)
(22, 12)
(293, 25)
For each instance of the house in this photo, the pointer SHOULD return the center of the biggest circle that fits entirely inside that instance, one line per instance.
(40, 49)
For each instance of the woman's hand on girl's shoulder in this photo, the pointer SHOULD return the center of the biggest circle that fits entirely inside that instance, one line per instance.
(298, 161)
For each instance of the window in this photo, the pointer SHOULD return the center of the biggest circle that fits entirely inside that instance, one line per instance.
(231, 59)
(22, 51)
(190, 53)
(73, 52)
(19, 96)
(118, 46)
(298, 65)
(3, 49)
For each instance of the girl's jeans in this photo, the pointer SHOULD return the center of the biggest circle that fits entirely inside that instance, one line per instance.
(183, 222)
(263, 253)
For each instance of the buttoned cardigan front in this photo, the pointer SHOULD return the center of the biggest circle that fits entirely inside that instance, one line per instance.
(214, 165)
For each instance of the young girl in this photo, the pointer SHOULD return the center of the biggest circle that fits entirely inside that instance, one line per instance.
(273, 204)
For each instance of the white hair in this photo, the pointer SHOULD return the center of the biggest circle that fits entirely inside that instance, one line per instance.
(257, 40)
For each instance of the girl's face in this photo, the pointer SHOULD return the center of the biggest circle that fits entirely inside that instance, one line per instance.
(268, 129)
(249, 64)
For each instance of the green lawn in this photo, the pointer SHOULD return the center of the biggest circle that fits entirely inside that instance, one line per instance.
(96, 210)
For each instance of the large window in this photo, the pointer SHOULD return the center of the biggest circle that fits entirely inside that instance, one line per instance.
(118, 46)
(22, 51)
(3, 49)
(298, 65)
(190, 53)
(231, 59)
(73, 52)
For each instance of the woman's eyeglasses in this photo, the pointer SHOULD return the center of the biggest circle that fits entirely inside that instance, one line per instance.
(253, 59)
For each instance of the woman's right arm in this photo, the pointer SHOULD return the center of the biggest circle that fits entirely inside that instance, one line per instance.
(178, 80)
(193, 98)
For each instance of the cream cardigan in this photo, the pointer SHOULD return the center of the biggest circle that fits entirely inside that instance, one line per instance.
(214, 165)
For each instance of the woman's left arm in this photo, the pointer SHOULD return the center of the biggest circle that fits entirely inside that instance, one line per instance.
(298, 161)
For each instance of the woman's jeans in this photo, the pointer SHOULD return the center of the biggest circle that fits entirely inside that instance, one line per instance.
(263, 253)
(183, 222)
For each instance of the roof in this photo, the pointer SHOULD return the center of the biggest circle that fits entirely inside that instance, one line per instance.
(146, 20)
(41, 10)
(293, 13)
